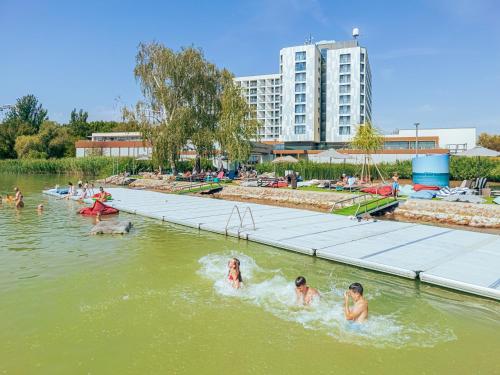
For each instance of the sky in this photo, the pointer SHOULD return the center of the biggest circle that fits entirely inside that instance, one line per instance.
(436, 62)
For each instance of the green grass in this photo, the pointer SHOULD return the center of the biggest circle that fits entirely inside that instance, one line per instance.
(371, 204)
(197, 189)
(326, 190)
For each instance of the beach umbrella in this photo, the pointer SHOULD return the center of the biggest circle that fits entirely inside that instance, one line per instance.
(285, 159)
(331, 154)
(479, 151)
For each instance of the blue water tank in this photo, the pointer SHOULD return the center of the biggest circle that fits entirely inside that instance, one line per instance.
(431, 170)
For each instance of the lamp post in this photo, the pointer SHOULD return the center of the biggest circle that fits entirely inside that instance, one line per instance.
(416, 138)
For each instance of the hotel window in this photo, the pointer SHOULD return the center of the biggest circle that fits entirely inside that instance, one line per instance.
(345, 78)
(345, 120)
(362, 87)
(300, 56)
(300, 66)
(361, 77)
(344, 130)
(345, 58)
(299, 77)
(300, 119)
(362, 67)
(253, 91)
(362, 57)
(300, 98)
(345, 68)
(253, 83)
(345, 89)
(253, 99)
(300, 108)
(345, 109)
(300, 87)
(300, 129)
(362, 119)
(345, 99)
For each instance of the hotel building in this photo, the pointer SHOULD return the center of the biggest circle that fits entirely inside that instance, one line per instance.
(322, 91)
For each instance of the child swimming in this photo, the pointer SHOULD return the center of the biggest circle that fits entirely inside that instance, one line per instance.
(234, 274)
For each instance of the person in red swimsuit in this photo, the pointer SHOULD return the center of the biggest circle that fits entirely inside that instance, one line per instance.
(234, 274)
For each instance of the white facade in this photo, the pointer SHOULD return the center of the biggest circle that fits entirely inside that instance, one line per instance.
(300, 69)
(116, 136)
(454, 139)
(322, 92)
(263, 93)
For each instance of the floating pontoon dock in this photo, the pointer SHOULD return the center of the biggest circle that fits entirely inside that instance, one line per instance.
(456, 259)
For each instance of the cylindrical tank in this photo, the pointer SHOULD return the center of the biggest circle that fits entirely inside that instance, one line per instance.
(431, 170)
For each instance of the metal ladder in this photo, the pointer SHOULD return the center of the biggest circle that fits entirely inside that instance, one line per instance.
(242, 218)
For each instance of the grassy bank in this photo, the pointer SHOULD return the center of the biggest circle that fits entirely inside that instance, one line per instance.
(88, 166)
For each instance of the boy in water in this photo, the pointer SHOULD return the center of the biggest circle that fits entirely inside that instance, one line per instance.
(359, 312)
(304, 292)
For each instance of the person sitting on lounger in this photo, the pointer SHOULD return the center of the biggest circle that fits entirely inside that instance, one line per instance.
(234, 274)
(359, 312)
(305, 294)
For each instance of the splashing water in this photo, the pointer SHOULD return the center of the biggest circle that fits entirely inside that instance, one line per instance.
(270, 290)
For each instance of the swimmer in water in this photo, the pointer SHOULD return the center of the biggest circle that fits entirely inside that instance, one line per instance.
(18, 198)
(359, 312)
(234, 274)
(305, 294)
(39, 207)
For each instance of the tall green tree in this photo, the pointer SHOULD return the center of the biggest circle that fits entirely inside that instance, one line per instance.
(9, 130)
(29, 112)
(78, 123)
(180, 100)
(236, 127)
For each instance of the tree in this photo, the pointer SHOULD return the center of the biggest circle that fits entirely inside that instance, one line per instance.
(78, 123)
(367, 139)
(30, 147)
(8, 133)
(236, 127)
(491, 141)
(180, 100)
(28, 111)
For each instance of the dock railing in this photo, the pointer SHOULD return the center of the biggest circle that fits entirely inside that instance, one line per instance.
(240, 217)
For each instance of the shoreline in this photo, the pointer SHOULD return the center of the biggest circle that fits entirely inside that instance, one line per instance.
(457, 215)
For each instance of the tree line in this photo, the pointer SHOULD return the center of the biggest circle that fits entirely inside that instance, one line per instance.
(27, 132)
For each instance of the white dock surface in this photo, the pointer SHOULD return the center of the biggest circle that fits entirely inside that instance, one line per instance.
(456, 259)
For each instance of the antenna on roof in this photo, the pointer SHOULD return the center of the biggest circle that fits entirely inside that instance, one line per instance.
(309, 40)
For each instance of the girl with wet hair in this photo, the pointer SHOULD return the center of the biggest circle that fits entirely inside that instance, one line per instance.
(234, 274)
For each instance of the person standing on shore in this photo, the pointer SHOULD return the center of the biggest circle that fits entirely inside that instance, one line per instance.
(18, 198)
(395, 185)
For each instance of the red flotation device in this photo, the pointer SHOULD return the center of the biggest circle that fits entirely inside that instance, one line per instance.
(418, 187)
(107, 196)
(381, 190)
(98, 207)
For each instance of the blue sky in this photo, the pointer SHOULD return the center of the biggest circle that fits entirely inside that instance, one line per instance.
(436, 62)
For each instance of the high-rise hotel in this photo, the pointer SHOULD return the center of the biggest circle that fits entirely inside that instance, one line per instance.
(322, 91)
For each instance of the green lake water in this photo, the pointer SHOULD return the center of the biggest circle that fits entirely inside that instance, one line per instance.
(156, 301)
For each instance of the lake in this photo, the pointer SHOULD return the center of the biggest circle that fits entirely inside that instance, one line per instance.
(157, 301)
